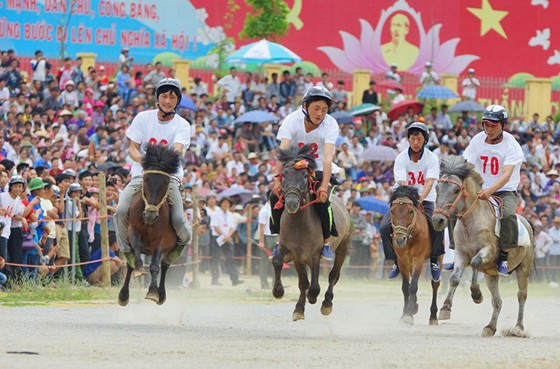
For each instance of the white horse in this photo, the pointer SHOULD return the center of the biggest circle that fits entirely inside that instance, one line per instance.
(476, 243)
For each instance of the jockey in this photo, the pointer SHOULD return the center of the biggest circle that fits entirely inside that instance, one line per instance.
(152, 127)
(497, 156)
(419, 168)
(311, 125)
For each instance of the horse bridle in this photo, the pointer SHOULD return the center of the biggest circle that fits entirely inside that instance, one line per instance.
(147, 206)
(283, 192)
(464, 193)
(400, 230)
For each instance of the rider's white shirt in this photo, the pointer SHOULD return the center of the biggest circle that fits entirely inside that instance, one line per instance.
(489, 160)
(416, 174)
(293, 129)
(146, 128)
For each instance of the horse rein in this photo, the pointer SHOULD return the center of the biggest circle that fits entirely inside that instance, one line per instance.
(406, 231)
(283, 192)
(464, 194)
(147, 206)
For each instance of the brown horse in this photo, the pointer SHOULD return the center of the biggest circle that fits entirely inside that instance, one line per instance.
(413, 244)
(301, 236)
(150, 229)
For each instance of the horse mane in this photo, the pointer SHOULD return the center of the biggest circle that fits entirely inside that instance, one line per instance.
(458, 166)
(295, 154)
(406, 191)
(160, 157)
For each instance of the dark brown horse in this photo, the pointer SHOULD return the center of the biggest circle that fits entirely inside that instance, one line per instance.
(413, 245)
(301, 236)
(150, 230)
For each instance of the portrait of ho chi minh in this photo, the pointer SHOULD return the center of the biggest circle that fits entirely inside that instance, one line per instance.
(399, 50)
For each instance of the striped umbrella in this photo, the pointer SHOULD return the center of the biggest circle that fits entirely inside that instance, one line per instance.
(262, 52)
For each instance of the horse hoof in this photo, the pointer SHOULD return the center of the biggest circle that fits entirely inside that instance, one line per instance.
(278, 292)
(312, 300)
(477, 299)
(160, 301)
(154, 296)
(407, 319)
(326, 310)
(139, 272)
(415, 309)
(444, 314)
(434, 321)
(122, 302)
(298, 315)
(488, 332)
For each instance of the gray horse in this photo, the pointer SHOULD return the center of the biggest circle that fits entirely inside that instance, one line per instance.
(476, 243)
(301, 236)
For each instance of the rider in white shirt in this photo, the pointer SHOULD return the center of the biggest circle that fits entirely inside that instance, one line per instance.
(416, 167)
(311, 125)
(152, 127)
(497, 156)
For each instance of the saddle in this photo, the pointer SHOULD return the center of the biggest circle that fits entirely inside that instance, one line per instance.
(524, 239)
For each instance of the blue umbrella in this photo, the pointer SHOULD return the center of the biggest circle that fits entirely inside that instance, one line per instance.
(466, 105)
(342, 117)
(187, 103)
(262, 52)
(372, 203)
(364, 109)
(256, 116)
(436, 92)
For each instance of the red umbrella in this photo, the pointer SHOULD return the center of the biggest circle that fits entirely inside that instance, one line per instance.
(391, 84)
(403, 106)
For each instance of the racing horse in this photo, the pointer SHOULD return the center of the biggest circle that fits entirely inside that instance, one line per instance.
(476, 243)
(150, 229)
(301, 236)
(412, 243)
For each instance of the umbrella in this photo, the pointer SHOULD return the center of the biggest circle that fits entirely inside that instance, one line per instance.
(379, 153)
(466, 105)
(372, 203)
(391, 84)
(262, 52)
(108, 165)
(436, 92)
(256, 116)
(342, 117)
(403, 106)
(363, 109)
(244, 194)
(187, 103)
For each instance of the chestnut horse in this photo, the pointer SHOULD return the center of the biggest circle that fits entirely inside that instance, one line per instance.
(413, 245)
(150, 230)
(301, 236)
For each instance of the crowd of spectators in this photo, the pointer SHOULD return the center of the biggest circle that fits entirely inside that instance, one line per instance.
(61, 126)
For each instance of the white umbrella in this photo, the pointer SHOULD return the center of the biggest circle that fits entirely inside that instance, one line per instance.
(262, 52)
(379, 153)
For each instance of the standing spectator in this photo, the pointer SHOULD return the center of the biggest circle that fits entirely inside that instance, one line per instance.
(78, 75)
(325, 81)
(370, 95)
(273, 88)
(299, 80)
(542, 246)
(429, 77)
(65, 73)
(266, 244)
(470, 84)
(231, 86)
(392, 74)
(339, 94)
(554, 252)
(39, 66)
(223, 227)
(200, 88)
(287, 88)
(14, 217)
(156, 75)
(443, 121)
(124, 58)
(124, 84)
(259, 89)
(398, 96)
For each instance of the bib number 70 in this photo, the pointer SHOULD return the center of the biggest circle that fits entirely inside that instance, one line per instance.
(494, 164)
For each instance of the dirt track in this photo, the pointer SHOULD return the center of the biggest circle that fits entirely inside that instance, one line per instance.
(242, 327)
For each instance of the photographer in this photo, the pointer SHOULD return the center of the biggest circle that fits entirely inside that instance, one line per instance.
(39, 65)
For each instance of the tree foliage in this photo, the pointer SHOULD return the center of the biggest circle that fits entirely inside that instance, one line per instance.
(267, 20)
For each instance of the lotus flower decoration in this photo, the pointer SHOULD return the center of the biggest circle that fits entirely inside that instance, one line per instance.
(364, 53)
